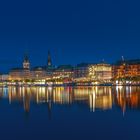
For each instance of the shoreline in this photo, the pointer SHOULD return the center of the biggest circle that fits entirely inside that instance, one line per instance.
(68, 85)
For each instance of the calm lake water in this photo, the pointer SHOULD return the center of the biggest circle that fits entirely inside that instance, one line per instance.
(63, 113)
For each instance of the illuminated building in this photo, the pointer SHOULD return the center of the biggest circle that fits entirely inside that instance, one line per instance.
(16, 74)
(21, 73)
(4, 77)
(38, 73)
(81, 72)
(126, 70)
(100, 72)
(63, 72)
(93, 72)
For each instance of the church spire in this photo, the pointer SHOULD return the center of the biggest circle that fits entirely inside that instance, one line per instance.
(49, 59)
(26, 63)
(122, 58)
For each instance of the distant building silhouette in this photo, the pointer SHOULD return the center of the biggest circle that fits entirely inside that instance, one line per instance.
(49, 59)
(26, 63)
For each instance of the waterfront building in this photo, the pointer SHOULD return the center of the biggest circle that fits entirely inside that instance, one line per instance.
(81, 72)
(38, 73)
(100, 72)
(64, 72)
(128, 70)
(21, 73)
(4, 77)
(16, 74)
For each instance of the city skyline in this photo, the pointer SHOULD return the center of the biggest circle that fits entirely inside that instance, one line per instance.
(70, 69)
(74, 31)
(11, 63)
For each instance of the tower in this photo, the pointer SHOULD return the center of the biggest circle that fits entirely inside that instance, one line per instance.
(26, 63)
(122, 58)
(49, 59)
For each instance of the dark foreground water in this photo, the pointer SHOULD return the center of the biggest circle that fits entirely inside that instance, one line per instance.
(63, 113)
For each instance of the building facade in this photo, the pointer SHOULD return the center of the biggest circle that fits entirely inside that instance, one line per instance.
(37, 73)
(126, 70)
(81, 72)
(21, 73)
(63, 72)
(100, 72)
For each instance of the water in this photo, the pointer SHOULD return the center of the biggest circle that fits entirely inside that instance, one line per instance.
(64, 113)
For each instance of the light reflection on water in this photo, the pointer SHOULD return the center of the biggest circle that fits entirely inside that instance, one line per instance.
(95, 98)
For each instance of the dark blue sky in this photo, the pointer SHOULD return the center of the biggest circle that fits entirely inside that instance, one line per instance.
(74, 30)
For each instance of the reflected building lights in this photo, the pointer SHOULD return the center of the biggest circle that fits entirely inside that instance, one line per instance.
(96, 98)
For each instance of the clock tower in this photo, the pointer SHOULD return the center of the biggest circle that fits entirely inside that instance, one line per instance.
(26, 63)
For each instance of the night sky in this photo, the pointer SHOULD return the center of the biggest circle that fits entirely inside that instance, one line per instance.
(74, 31)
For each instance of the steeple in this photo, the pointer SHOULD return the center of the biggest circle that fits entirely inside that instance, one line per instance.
(49, 59)
(122, 58)
(26, 63)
